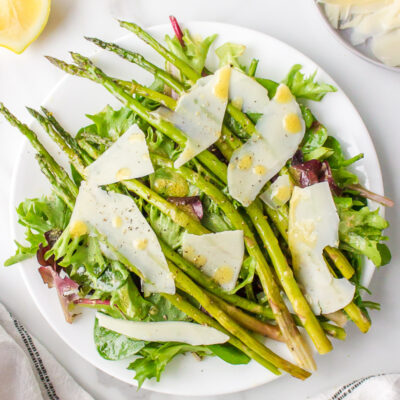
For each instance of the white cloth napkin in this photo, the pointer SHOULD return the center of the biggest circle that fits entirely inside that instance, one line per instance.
(28, 371)
(378, 387)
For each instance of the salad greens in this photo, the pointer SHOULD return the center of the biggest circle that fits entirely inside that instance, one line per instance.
(88, 272)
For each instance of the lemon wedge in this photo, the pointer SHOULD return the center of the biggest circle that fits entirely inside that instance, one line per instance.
(21, 22)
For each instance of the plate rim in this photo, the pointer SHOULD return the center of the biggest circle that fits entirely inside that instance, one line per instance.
(25, 145)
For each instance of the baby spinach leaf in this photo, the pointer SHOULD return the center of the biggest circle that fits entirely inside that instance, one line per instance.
(114, 346)
(229, 353)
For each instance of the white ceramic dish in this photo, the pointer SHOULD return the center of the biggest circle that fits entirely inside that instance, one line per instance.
(74, 97)
(343, 36)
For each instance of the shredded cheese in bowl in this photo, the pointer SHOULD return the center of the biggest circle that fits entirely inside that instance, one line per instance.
(377, 21)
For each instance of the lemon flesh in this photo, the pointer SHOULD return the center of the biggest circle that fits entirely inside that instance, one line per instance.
(21, 22)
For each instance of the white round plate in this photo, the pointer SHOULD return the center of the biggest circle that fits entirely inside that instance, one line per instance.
(343, 36)
(74, 97)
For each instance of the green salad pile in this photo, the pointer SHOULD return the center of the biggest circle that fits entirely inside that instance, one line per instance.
(88, 269)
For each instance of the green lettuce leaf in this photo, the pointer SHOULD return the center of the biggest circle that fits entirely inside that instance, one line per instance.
(195, 51)
(112, 123)
(114, 346)
(229, 53)
(154, 359)
(113, 277)
(306, 87)
(360, 231)
(39, 216)
(166, 229)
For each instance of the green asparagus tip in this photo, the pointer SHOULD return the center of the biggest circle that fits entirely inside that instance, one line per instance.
(93, 40)
(46, 112)
(58, 63)
(81, 60)
(33, 112)
(130, 25)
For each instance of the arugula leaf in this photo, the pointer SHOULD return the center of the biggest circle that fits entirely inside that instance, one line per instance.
(229, 353)
(360, 231)
(39, 216)
(306, 87)
(356, 261)
(254, 117)
(160, 144)
(154, 359)
(271, 86)
(112, 123)
(195, 51)
(229, 53)
(114, 346)
(338, 159)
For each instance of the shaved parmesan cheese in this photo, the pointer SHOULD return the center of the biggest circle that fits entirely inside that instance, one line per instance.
(165, 331)
(246, 93)
(281, 130)
(313, 225)
(278, 193)
(200, 113)
(132, 236)
(218, 255)
(127, 158)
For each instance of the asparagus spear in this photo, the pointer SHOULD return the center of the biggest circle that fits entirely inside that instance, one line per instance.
(138, 59)
(248, 321)
(60, 190)
(340, 261)
(59, 173)
(65, 135)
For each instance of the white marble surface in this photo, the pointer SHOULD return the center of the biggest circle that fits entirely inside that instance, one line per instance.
(27, 78)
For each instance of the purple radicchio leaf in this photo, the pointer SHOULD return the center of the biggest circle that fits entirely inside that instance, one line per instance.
(193, 203)
(67, 289)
